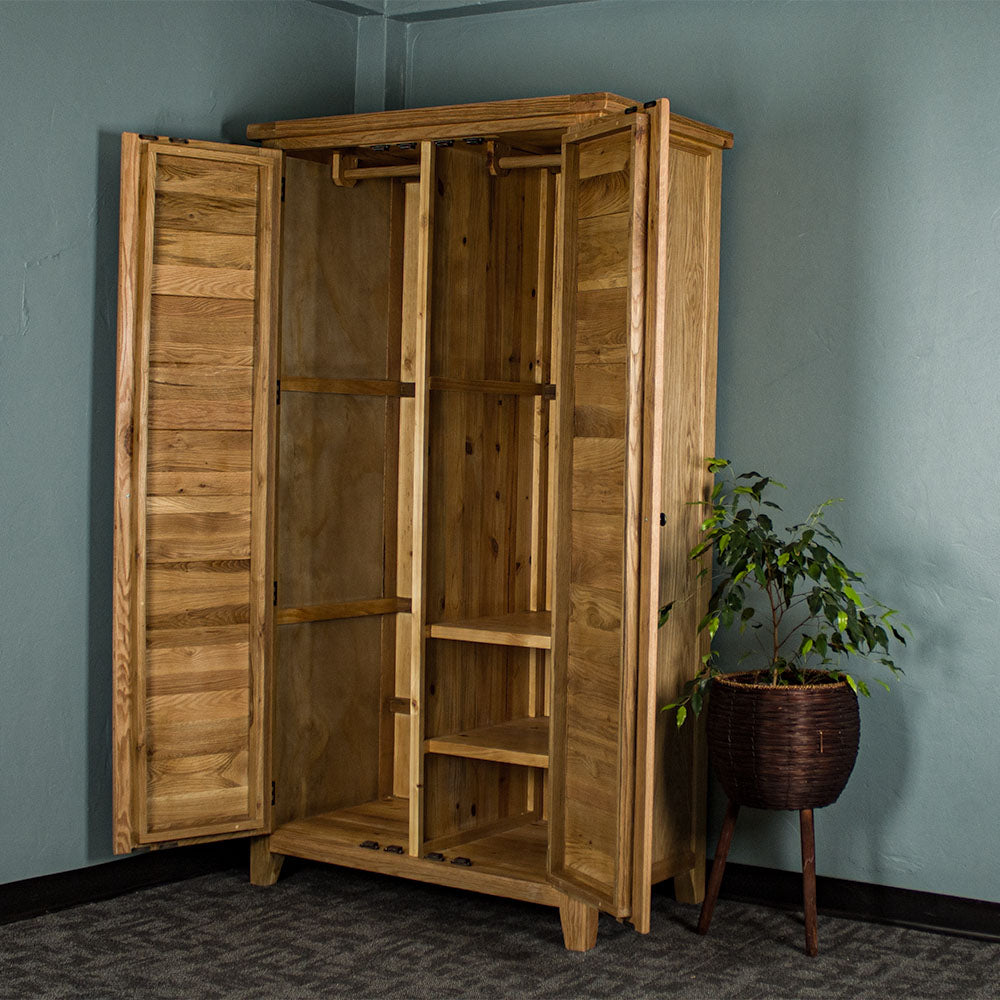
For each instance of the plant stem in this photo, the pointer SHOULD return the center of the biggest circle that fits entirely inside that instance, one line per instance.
(774, 629)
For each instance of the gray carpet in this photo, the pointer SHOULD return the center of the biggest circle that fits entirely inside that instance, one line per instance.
(331, 932)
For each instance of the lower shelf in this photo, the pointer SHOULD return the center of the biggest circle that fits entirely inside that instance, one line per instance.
(510, 863)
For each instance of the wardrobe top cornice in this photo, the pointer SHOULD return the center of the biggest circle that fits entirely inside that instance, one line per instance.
(541, 115)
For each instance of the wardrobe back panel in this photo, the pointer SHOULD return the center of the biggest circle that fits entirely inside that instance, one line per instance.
(326, 731)
(337, 486)
(341, 275)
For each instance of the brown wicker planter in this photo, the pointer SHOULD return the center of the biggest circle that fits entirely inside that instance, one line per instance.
(782, 747)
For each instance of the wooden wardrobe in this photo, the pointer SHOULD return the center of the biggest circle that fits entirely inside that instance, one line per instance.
(410, 407)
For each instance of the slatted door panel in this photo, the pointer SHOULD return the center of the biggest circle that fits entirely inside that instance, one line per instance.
(600, 325)
(194, 448)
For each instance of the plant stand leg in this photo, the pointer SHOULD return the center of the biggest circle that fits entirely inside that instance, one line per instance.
(579, 924)
(718, 866)
(809, 879)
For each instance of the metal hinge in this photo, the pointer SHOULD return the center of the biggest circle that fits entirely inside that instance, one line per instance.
(272, 793)
(277, 393)
(282, 188)
(275, 593)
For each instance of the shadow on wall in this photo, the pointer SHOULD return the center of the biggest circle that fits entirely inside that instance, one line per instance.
(102, 437)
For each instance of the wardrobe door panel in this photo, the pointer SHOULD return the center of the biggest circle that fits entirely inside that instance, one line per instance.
(600, 316)
(193, 483)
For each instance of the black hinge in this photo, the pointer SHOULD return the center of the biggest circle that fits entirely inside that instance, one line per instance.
(632, 110)
(272, 793)
(275, 593)
(277, 393)
(282, 188)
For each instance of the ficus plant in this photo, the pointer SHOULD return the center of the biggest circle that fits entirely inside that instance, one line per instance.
(788, 588)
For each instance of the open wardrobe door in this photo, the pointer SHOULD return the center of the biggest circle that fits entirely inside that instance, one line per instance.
(600, 317)
(193, 489)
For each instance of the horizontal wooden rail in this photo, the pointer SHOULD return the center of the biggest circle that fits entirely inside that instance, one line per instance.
(347, 386)
(343, 609)
(551, 161)
(544, 389)
(370, 173)
(345, 172)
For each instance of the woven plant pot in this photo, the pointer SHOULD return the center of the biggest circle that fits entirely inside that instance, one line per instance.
(782, 747)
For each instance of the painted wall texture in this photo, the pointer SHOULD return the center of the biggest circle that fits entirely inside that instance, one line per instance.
(72, 78)
(859, 317)
(860, 302)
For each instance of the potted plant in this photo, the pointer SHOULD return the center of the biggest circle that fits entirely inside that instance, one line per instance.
(784, 733)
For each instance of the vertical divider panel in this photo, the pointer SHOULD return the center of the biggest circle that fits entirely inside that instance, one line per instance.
(393, 498)
(421, 403)
(404, 531)
(541, 525)
(263, 466)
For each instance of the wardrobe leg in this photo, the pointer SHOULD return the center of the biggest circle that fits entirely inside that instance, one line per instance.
(807, 831)
(690, 886)
(265, 867)
(718, 866)
(579, 924)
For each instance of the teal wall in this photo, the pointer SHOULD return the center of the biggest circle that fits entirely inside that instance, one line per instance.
(73, 76)
(860, 299)
(859, 316)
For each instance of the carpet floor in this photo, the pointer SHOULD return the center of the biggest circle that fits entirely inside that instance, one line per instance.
(332, 932)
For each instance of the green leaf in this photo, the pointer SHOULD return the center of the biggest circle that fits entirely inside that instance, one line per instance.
(665, 614)
(841, 621)
(696, 700)
(853, 595)
(807, 645)
(681, 716)
(850, 680)
(717, 464)
(883, 683)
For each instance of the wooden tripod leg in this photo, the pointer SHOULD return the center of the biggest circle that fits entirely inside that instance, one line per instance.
(718, 866)
(807, 831)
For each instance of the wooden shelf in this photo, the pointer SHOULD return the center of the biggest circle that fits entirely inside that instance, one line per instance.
(346, 386)
(441, 384)
(520, 741)
(530, 629)
(509, 862)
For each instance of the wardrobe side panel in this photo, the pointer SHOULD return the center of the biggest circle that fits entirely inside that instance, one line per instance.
(689, 439)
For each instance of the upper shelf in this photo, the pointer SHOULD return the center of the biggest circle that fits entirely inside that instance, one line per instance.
(530, 629)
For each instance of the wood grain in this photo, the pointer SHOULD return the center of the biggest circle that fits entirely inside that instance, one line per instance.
(517, 741)
(199, 250)
(691, 311)
(532, 629)
(600, 433)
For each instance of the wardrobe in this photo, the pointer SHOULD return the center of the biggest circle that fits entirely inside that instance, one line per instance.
(411, 409)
